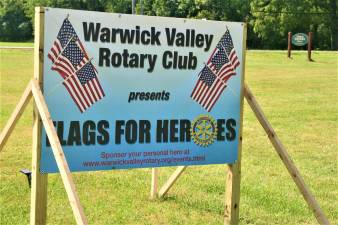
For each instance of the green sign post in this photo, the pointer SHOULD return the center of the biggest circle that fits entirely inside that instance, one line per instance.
(299, 39)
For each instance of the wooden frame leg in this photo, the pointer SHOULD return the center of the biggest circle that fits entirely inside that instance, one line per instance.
(19, 109)
(283, 154)
(170, 182)
(38, 213)
(58, 154)
(154, 183)
(232, 194)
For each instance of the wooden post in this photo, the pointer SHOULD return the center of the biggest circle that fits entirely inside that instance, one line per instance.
(10, 125)
(232, 192)
(289, 44)
(170, 182)
(38, 213)
(58, 154)
(154, 183)
(283, 154)
(309, 47)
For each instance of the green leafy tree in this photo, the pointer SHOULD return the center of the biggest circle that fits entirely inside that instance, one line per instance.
(171, 8)
(273, 19)
(14, 25)
(118, 6)
(269, 21)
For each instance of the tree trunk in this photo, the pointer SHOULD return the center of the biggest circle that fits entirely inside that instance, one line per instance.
(334, 25)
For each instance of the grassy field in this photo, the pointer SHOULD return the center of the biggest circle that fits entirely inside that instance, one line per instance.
(298, 97)
(17, 44)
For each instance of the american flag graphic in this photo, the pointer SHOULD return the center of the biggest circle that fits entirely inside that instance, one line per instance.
(208, 88)
(227, 44)
(221, 65)
(71, 58)
(84, 87)
(219, 68)
(66, 33)
(71, 61)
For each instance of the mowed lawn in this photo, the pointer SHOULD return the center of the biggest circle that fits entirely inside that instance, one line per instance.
(16, 44)
(298, 97)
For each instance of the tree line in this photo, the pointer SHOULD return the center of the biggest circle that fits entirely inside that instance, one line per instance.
(269, 21)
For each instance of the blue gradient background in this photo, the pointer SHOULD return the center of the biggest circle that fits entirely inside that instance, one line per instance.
(117, 83)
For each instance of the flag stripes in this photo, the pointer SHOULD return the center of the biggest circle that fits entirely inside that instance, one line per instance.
(208, 89)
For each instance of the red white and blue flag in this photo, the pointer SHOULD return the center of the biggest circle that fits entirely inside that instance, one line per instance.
(84, 86)
(71, 61)
(208, 88)
(66, 33)
(220, 66)
(227, 44)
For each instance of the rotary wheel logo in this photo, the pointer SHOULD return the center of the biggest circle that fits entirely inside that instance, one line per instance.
(203, 130)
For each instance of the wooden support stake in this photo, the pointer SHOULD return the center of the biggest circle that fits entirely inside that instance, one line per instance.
(20, 107)
(233, 182)
(283, 154)
(289, 44)
(232, 194)
(170, 182)
(38, 212)
(154, 183)
(58, 154)
(309, 47)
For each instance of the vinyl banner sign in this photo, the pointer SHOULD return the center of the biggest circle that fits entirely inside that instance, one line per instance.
(128, 91)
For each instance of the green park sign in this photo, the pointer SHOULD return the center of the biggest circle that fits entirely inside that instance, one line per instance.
(299, 39)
